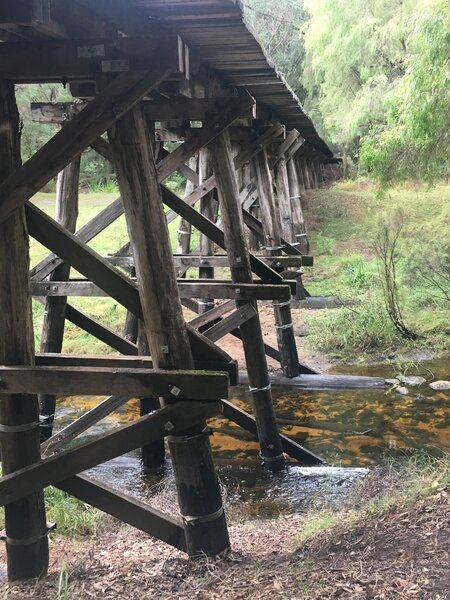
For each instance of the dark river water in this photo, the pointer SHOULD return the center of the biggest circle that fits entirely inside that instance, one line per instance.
(352, 430)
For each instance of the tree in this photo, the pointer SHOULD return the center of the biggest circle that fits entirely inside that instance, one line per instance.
(279, 24)
(415, 140)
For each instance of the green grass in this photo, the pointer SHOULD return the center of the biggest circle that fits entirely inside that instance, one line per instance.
(73, 517)
(343, 222)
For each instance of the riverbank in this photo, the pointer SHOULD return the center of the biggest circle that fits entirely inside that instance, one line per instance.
(390, 540)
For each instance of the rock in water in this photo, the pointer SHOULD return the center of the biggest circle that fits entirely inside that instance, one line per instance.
(402, 390)
(412, 380)
(440, 385)
(392, 381)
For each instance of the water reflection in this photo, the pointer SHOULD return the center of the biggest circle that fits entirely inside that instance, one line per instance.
(348, 428)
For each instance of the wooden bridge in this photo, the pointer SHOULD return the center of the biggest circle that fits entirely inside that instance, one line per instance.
(147, 72)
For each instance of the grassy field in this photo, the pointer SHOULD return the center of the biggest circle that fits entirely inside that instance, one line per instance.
(343, 222)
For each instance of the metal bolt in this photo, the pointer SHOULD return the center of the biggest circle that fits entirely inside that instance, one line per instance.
(169, 426)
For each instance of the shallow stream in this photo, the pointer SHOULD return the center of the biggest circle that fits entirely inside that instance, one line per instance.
(351, 429)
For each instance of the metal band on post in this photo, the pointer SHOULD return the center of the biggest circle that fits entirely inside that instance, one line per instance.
(18, 428)
(263, 389)
(191, 520)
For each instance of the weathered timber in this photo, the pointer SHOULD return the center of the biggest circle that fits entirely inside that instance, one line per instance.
(229, 323)
(255, 147)
(282, 310)
(208, 208)
(324, 382)
(101, 332)
(82, 423)
(255, 225)
(60, 60)
(279, 152)
(85, 234)
(213, 314)
(228, 113)
(119, 96)
(268, 433)
(168, 109)
(197, 484)
(26, 531)
(55, 308)
(184, 227)
(290, 447)
(205, 226)
(284, 200)
(187, 289)
(73, 381)
(92, 265)
(129, 510)
(70, 462)
(132, 362)
(182, 261)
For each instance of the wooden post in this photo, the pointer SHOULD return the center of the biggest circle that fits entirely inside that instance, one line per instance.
(208, 208)
(198, 487)
(184, 227)
(268, 434)
(25, 524)
(55, 308)
(295, 191)
(284, 202)
(282, 310)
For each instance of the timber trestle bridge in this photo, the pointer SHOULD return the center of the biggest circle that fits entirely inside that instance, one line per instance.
(146, 72)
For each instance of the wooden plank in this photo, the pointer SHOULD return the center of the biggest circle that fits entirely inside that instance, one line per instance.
(227, 324)
(255, 225)
(95, 381)
(129, 510)
(218, 260)
(168, 420)
(119, 96)
(187, 289)
(85, 234)
(290, 447)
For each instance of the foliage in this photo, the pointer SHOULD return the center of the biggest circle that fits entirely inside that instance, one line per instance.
(386, 249)
(278, 25)
(414, 142)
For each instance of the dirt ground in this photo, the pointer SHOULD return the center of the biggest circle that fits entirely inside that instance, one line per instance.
(402, 555)
(233, 346)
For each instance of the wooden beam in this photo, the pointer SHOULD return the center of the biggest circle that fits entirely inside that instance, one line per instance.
(115, 100)
(49, 471)
(258, 144)
(129, 510)
(218, 260)
(187, 289)
(235, 319)
(92, 381)
(287, 143)
(85, 234)
(168, 109)
(62, 60)
(230, 110)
